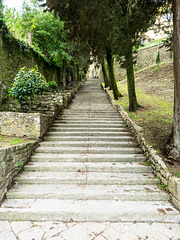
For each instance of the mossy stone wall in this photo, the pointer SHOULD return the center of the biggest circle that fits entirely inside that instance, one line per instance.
(15, 54)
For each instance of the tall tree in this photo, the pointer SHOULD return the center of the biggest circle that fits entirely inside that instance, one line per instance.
(131, 19)
(90, 21)
(175, 152)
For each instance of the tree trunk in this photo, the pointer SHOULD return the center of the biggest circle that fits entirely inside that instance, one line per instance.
(64, 74)
(112, 79)
(175, 152)
(78, 75)
(133, 104)
(72, 71)
(104, 71)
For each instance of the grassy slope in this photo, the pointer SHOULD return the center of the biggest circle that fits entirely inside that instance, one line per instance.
(155, 91)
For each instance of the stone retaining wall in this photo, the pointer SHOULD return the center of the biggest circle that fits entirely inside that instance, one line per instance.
(145, 57)
(15, 54)
(159, 167)
(10, 158)
(31, 125)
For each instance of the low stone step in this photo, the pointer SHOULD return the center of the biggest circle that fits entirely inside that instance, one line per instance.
(77, 111)
(88, 125)
(88, 157)
(88, 118)
(87, 167)
(88, 133)
(86, 129)
(89, 121)
(93, 178)
(88, 144)
(107, 114)
(88, 210)
(90, 150)
(88, 138)
(89, 192)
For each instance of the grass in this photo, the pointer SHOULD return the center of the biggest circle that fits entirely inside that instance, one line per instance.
(177, 174)
(10, 141)
(154, 88)
(150, 44)
(155, 117)
(16, 141)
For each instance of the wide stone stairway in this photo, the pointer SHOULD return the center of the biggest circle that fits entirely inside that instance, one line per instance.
(88, 168)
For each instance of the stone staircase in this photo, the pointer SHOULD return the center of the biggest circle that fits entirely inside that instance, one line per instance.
(88, 168)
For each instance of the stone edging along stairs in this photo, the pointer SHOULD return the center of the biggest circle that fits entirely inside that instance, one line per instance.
(88, 168)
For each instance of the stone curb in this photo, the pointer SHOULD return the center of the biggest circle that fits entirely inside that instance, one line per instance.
(159, 167)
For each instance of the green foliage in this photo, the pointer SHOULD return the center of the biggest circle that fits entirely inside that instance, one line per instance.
(27, 84)
(150, 44)
(177, 174)
(20, 165)
(52, 85)
(149, 163)
(158, 60)
(161, 184)
(48, 34)
(16, 141)
(1, 138)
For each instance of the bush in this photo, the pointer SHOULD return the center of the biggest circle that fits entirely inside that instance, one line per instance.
(27, 84)
(52, 85)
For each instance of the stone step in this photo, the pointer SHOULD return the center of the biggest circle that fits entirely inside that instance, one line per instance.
(86, 138)
(88, 210)
(89, 121)
(96, 116)
(87, 167)
(88, 144)
(86, 129)
(90, 150)
(89, 192)
(91, 178)
(78, 111)
(88, 157)
(88, 118)
(88, 133)
(93, 113)
(88, 125)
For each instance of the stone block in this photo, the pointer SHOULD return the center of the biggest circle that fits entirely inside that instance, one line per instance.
(176, 202)
(33, 125)
(174, 187)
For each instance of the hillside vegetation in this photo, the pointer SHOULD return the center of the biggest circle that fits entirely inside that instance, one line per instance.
(155, 91)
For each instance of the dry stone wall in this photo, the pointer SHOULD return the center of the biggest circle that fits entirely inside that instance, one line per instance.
(15, 122)
(10, 158)
(31, 125)
(14, 55)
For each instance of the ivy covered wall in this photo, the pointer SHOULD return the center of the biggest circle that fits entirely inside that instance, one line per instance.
(15, 54)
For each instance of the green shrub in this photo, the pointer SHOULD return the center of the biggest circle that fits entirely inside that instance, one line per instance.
(27, 84)
(52, 85)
